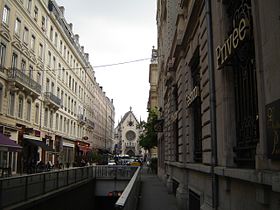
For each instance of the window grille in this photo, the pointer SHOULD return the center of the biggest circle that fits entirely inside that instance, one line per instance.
(246, 97)
(196, 108)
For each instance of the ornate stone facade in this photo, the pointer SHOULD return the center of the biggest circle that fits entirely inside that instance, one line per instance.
(217, 82)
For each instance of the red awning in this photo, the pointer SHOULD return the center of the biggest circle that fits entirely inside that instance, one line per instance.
(9, 143)
(84, 148)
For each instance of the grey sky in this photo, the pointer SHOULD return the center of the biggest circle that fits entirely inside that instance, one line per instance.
(114, 31)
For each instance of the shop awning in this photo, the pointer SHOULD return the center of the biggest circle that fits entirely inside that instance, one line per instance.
(6, 142)
(84, 148)
(40, 144)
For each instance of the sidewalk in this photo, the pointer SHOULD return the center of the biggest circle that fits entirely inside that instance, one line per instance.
(154, 194)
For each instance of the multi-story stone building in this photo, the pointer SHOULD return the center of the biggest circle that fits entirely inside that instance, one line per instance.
(153, 95)
(218, 90)
(127, 135)
(50, 101)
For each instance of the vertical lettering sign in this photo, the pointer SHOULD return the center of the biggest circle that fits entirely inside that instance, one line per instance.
(273, 129)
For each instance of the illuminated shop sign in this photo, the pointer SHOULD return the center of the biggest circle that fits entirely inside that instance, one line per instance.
(235, 39)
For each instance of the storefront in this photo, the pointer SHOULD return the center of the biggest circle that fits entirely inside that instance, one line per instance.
(82, 148)
(34, 151)
(8, 155)
(67, 153)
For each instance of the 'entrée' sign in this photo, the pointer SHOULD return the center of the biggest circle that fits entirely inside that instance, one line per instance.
(238, 35)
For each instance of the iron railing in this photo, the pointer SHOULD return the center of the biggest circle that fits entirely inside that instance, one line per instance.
(16, 75)
(129, 198)
(81, 119)
(49, 96)
(19, 189)
(90, 123)
(246, 97)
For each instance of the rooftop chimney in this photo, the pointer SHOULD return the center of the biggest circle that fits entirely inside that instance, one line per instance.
(87, 56)
(71, 26)
(82, 49)
(77, 37)
(62, 9)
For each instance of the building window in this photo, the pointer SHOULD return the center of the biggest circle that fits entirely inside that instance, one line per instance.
(28, 111)
(69, 82)
(54, 63)
(32, 43)
(56, 121)
(29, 5)
(52, 88)
(196, 107)
(25, 35)
(20, 107)
(246, 95)
(14, 60)
(40, 51)
(31, 72)
(51, 119)
(38, 79)
(58, 92)
(2, 56)
(47, 85)
(35, 13)
(55, 39)
(43, 23)
(17, 26)
(60, 46)
(60, 124)
(1, 96)
(37, 113)
(11, 110)
(49, 59)
(61, 97)
(46, 117)
(23, 65)
(51, 34)
(64, 124)
(6, 14)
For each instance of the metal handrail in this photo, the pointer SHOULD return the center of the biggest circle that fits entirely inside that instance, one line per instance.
(129, 197)
(17, 75)
(17, 189)
(53, 98)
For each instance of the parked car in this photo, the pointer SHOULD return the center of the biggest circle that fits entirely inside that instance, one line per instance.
(111, 162)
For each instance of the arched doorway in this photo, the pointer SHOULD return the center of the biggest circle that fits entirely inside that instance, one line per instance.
(130, 153)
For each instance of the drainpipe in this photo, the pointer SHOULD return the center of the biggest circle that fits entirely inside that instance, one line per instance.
(214, 177)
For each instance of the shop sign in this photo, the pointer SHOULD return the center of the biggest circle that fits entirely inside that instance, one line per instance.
(235, 39)
(273, 129)
(192, 96)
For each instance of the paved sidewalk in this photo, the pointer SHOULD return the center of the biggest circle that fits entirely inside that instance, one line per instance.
(154, 195)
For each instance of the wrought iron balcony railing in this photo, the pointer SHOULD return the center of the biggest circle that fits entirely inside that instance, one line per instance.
(24, 81)
(81, 119)
(52, 99)
(90, 123)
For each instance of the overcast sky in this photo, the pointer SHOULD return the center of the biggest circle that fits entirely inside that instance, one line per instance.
(116, 31)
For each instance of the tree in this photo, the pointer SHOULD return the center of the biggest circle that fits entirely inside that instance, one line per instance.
(148, 139)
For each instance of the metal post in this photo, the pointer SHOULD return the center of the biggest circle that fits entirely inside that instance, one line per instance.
(57, 180)
(44, 183)
(26, 188)
(1, 191)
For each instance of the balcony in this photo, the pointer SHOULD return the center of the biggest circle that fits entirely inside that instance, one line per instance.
(52, 100)
(81, 119)
(90, 123)
(18, 80)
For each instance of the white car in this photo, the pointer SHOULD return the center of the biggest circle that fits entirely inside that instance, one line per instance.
(111, 163)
